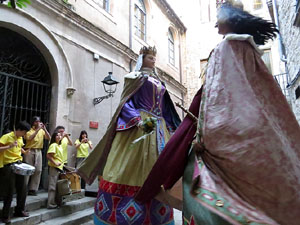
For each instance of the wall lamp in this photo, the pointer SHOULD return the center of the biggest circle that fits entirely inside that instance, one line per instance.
(110, 87)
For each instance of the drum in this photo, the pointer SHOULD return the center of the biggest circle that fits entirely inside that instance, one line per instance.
(74, 180)
(23, 169)
(63, 187)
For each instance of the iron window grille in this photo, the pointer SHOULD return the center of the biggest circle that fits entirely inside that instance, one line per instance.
(266, 57)
(25, 81)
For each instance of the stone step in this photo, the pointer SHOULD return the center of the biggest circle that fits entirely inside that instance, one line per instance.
(40, 201)
(82, 217)
(91, 222)
(44, 214)
(32, 202)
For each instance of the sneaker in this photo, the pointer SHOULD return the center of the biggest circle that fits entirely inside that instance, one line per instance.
(32, 193)
(21, 214)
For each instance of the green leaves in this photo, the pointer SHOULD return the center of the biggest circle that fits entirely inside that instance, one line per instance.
(149, 123)
(19, 3)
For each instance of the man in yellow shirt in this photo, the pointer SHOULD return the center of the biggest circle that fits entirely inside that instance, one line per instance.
(34, 145)
(65, 141)
(11, 149)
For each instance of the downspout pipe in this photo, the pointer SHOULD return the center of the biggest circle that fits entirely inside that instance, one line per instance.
(180, 69)
(282, 55)
(130, 33)
(280, 42)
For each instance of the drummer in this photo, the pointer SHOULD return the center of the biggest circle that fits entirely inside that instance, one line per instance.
(34, 144)
(11, 150)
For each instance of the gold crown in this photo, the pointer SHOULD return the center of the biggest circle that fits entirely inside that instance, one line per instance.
(234, 3)
(148, 50)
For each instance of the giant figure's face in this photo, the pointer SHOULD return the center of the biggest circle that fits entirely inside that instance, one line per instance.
(149, 61)
(223, 28)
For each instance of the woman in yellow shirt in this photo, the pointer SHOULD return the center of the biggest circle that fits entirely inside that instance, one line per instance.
(83, 144)
(55, 163)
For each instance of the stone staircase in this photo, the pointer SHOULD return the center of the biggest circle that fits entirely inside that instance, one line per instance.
(78, 209)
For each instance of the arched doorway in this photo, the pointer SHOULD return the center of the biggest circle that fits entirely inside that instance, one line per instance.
(25, 85)
(25, 81)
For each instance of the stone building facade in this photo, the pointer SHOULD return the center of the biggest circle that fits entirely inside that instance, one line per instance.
(202, 36)
(70, 47)
(288, 15)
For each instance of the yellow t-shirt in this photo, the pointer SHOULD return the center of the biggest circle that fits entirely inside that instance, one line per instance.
(83, 150)
(13, 154)
(37, 141)
(58, 155)
(64, 146)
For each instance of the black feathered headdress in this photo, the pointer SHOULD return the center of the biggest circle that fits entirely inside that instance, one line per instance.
(242, 22)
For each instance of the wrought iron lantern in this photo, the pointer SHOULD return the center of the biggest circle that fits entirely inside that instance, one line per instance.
(110, 87)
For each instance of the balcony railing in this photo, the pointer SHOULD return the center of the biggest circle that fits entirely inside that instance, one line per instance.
(282, 81)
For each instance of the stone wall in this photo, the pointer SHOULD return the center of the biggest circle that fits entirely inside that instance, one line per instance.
(202, 37)
(291, 40)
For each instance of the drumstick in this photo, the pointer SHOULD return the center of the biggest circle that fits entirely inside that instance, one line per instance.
(72, 169)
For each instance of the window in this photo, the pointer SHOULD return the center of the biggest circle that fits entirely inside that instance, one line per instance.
(257, 4)
(171, 48)
(203, 67)
(104, 4)
(266, 57)
(140, 19)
